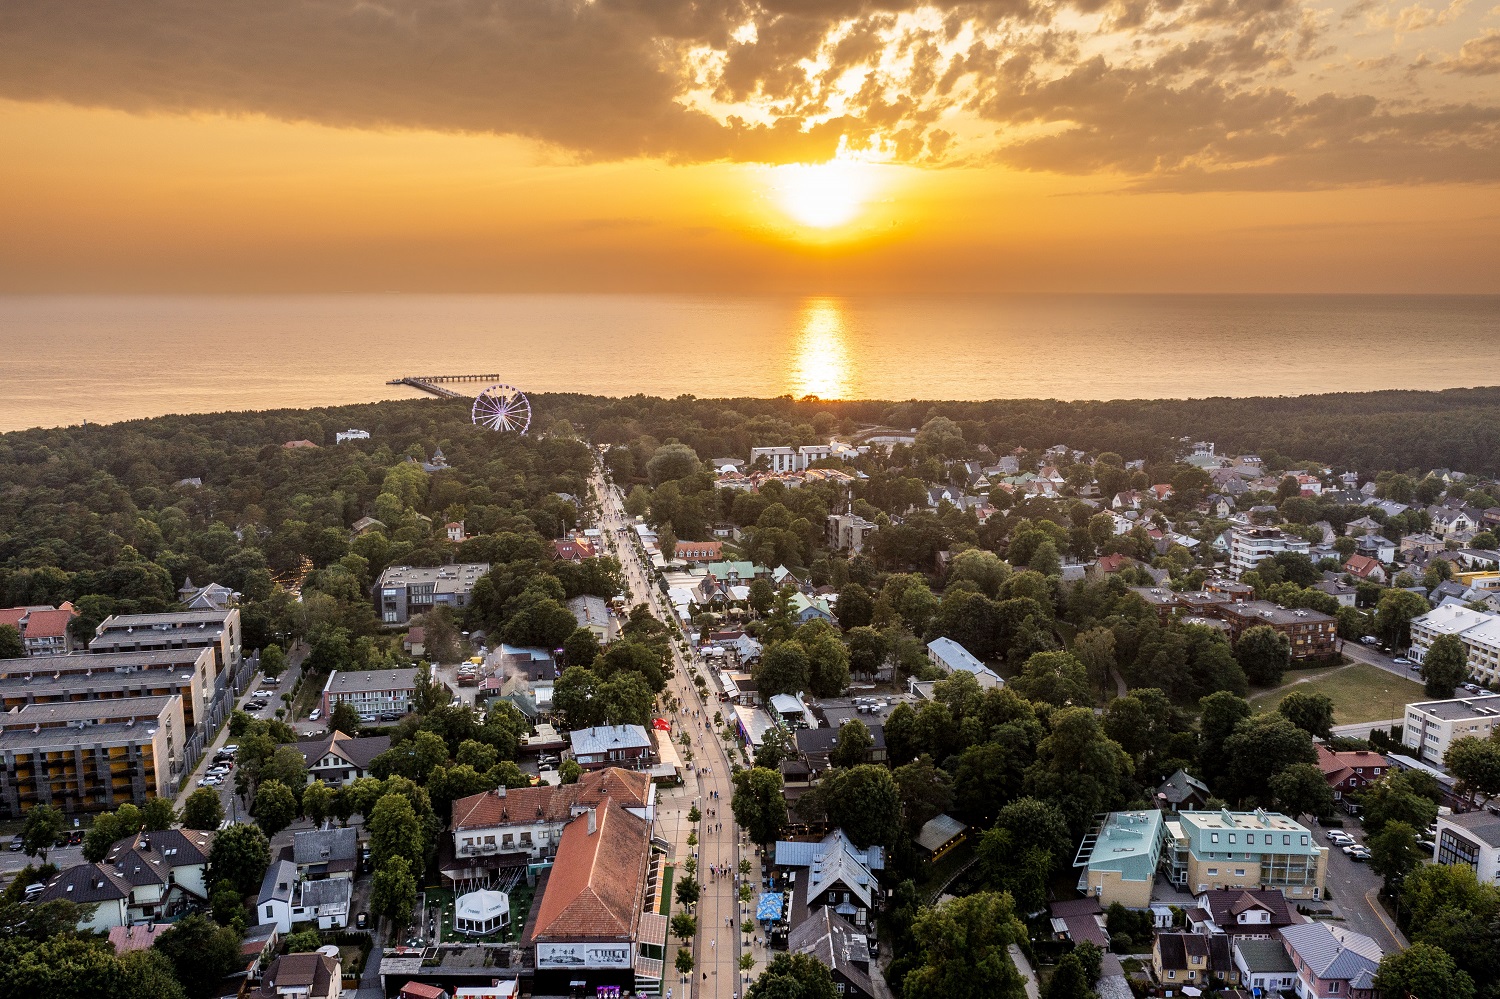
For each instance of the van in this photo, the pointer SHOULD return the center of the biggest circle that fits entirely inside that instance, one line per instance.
(34, 891)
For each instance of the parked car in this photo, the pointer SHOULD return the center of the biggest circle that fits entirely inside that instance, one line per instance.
(1402, 661)
(315, 715)
(1358, 854)
(75, 837)
(231, 749)
(1338, 838)
(1370, 640)
(17, 843)
(362, 920)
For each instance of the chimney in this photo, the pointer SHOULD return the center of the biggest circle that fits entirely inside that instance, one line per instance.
(500, 791)
(593, 821)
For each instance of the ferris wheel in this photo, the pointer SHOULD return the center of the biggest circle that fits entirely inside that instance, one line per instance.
(503, 407)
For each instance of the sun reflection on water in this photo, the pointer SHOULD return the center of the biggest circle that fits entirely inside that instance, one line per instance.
(820, 363)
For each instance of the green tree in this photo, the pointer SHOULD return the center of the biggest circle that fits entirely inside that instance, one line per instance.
(793, 976)
(960, 950)
(203, 810)
(1056, 678)
(1394, 854)
(44, 824)
(395, 831)
(159, 813)
(240, 855)
(864, 802)
(228, 905)
(853, 746)
(394, 892)
(1301, 789)
(926, 792)
(1068, 980)
(345, 719)
(684, 926)
(317, 801)
(1261, 747)
(272, 661)
(1095, 648)
(275, 807)
(11, 646)
(202, 953)
(1312, 713)
(1423, 970)
(570, 771)
(1220, 713)
(581, 648)
(1476, 764)
(687, 890)
(758, 804)
(1264, 654)
(684, 961)
(1445, 666)
(303, 941)
(783, 669)
(1395, 613)
(1407, 796)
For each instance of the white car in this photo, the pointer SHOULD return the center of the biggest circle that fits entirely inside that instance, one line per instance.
(1339, 838)
(316, 714)
(1402, 661)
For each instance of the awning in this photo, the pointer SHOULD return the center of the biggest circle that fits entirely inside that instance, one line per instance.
(653, 930)
(662, 725)
(770, 905)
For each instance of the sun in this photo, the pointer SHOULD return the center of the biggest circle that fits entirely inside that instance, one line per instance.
(824, 195)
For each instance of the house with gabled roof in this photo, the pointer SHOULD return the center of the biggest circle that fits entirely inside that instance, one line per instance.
(832, 872)
(589, 922)
(340, 759)
(1332, 962)
(1247, 912)
(839, 947)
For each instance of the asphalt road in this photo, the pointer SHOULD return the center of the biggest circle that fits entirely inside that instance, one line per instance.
(716, 973)
(1354, 888)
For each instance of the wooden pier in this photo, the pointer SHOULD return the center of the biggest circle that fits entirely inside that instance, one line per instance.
(434, 384)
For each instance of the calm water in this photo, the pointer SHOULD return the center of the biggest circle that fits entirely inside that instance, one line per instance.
(64, 359)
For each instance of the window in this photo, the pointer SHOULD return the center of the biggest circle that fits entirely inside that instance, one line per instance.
(268, 912)
(1231, 837)
(1239, 872)
(1171, 974)
(1286, 840)
(1333, 988)
(1213, 837)
(1213, 872)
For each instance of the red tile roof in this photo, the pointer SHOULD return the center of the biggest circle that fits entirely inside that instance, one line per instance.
(1362, 566)
(421, 990)
(629, 788)
(573, 549)
(48, 623)
(597, 887)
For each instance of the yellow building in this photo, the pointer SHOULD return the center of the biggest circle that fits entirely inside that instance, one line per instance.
(1224, 849)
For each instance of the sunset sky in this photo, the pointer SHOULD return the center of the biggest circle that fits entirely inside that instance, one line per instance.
(808, 146)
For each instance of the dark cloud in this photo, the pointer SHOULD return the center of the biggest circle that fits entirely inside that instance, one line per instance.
(1187, 97)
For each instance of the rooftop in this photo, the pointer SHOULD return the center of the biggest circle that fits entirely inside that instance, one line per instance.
(591, 741)
(455, 578)
(630, 788)
(1480, 824)
(1459, 708)
(168, 621)
(99, 662)
(359, 681)
(596, 888)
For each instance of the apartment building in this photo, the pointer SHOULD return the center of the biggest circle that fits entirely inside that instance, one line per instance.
(1471, 838)
(791, 459)
(1120, 857)
(849, 532)
(104, 676)
(1478, 630)
(90, 755)
(1312, 634)
(1248, 546)
(174, 631)
(404, 591)
(43, 629)
(1224, 849)
(371, 692)
(1432, 726)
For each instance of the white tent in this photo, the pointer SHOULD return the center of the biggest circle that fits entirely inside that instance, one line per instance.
(481, 912)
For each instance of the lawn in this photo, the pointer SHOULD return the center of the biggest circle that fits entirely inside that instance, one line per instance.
(1360, 692)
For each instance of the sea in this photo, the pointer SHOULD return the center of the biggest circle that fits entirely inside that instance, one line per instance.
(67, 359)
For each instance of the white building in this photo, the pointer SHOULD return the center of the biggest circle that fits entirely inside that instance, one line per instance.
(1432, 726)
(351, 435)
(797, 459)
(285, 899)
(1472, 838)
(1478, 630)
(949, 656)
(1249, 546)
